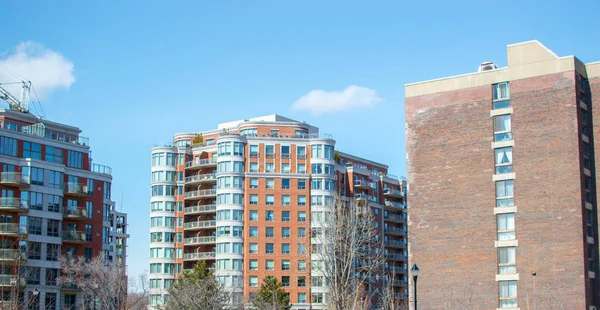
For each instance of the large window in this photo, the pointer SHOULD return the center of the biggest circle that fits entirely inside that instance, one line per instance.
(316, 151)
(504, 193)
(501, 92)
(53, 228)
(54, 155)
(506, 226)
(75, 159)
(508, 294)
(55, 179)
(8, 146)
(37, 176)
(35, 225)
(506, 260)
(32, 150)
(502, 128)
(224, 148)
(504, 160)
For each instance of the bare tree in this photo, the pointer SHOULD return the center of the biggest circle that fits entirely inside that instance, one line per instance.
(199, 289)
(345, 241)
(388, 297)
(103, 285)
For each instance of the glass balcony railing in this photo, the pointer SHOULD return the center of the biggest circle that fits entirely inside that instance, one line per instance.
(199, 224)
(12, 229)
(200, 209)
(14, 179)
(102, 169)
(199, 240)
(200, 193)
(199, 255)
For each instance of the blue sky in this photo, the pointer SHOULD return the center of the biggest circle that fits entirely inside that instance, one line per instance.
(143, 70)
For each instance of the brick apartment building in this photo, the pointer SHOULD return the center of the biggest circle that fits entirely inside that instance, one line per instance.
(502, 199)
(55, 202)
(243, 197)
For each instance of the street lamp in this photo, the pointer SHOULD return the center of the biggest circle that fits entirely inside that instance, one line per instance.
(534, 274)
(414, 271)
(35, 293)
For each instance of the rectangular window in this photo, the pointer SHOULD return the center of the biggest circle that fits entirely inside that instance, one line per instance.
(507, 260)
(89, 209)
(508, 294)
(285, 200)
(504, 193)
(301, 265)
(502, 128)
(253, 232)
(253, 182)
(316, 151)
(8, 146)
(270, 167)
(32, 150)
(253, 199)
(285, 168)
(34, 225)
(34, 250)
(269, 264)
(285, 281)
(253, 151)
(37, 176)
(253, 281)
(504, 160)
(501, 91)
(285, 216)
(75, 159)
(301, 152)
(253, 248)
(285, 265)
(285, 248)
(269, 248)
(301, 217)
(270, 183)
(52, 252)
(269, 232)
(301, 232)
(270, 151)
(253, 167)
(88, 232)
(253, 264)
(53, 229)
(33, 275)
(270, 200)
(301, 298)
(55, 179)
(285, 151)
(301, 281)
(269, 216)
(506, 226)
(301, 200)
(253, 215)
(301, 169)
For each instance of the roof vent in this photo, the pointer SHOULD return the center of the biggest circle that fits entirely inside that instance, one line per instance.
(488, 65)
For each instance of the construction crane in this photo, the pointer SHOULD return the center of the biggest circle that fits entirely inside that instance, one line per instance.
(15, 104)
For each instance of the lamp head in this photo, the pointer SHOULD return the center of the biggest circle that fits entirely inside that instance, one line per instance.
(414, 271)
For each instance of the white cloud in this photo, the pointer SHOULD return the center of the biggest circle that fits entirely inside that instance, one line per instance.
(319, 102)
(46, 69)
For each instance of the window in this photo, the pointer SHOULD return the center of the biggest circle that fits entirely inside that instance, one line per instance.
(508, 294)
(270, 200)
(55, 179)
(270, 183)
(34, 250)
(253, 167)
(238, 182)
(506, 226)
(37, 176)
(500, 91)
(87, 253)
(53, 229)
(275, 133)
(285, 232)
(253, 264)
(302, 298)
(51, 276)
(502, 128)
(317, 281)
(301, 265)
(504, 193)
(253, 281)
(301, 169)
(8, 146)
(253, 232)
(328, 151)
(270, 264)
(253, 215)
(301, 281)
(253, 248)
(285, 151)
(238, 166)
(269, 248)
(253, 151)
(316, 151)
(269, 232)
(224, 148)
(253, 182)
(107, 190)
(506, 260)
(301, 232)
(35, 225)
(285, 265)
(317, 184)
(249, 132)
(270, 151)
(317, 169)
(270, 216)
(301, 200)
(238, 148)
(301, 217)
(285, 168)
(285, 281)
(75, 159)
(89, 209)
(301, 248)
(503, 160)
(285, 216)
(301, 152)
(52, 252)
(35, 199)
(316, 298)
(33, 276)
(253, 199)
(88, 232)
(270, 167)
(32, 150)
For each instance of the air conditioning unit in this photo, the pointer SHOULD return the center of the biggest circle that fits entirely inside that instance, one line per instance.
(486, 66)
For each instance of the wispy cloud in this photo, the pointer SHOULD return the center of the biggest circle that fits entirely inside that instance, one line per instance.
(353, 97)
(46, 69)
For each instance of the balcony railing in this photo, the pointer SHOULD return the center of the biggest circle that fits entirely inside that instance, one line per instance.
(201, 163)
(395, 256)
(394, 230)
(199, 255)
(12, 255)
(395, 243)
(201, 209)
(102, 169)
(199, 224)
(200, 194)
(13, 229)
(75, 213)
(73, 236)
(13, 204)
(394, 217)
(76, 189)
(203, 144)
(201, 178)
(393, 204)
(14, 179)
(199, 240)
(392, 192)
(7, 280)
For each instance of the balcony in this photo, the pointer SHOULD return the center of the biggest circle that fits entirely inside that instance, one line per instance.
(200, 194)
(8, 280)
(394, 231)
(362, 184)
(398, 282)
(391, 205)
(12, 229)
(200, 178)
(73, 236)
(395, 256)
(395, 244)
(199, 240)
(199, 256)
(101, 169)
(201, 163)
(14, 179)
(75, 213)
(10, 204)
(198, 225)
(76, 189)
(71, 287)
(396, 270)
(12, 256)
(393, 193)
(200, 209)
(394, 218)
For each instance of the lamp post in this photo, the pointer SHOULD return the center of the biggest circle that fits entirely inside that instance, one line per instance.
(534, 274)
(36, 293)
(414, 271)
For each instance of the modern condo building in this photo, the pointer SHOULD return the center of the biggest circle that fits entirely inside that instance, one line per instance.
(54, 202)
(242, 198)
(503, 191)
